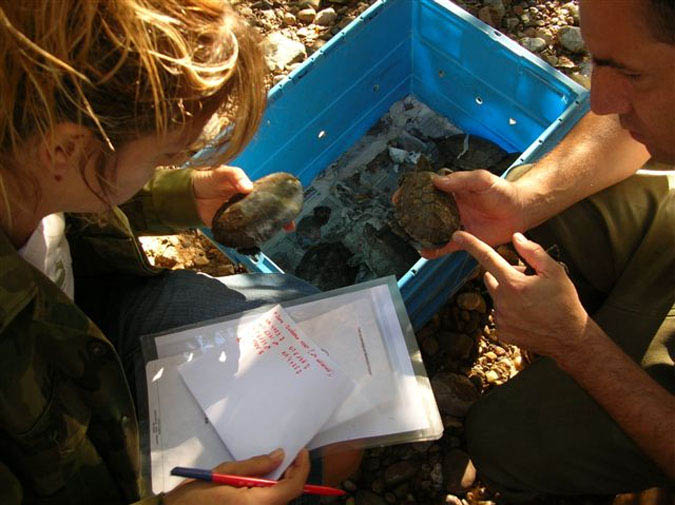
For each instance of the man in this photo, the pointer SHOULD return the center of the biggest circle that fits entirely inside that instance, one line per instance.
(596, 413)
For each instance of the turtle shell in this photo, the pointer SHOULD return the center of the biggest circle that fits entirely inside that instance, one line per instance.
(246, 221)
(428, 215)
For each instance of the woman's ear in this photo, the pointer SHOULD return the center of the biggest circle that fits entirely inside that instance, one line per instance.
(63, 150)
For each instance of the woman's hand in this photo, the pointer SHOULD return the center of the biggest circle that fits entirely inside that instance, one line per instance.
(540, 312)
(490, 208)
(214, 187)
(204, 493)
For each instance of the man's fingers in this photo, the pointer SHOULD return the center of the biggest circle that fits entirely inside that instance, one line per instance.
(534, 254)
(431, 254)
(490, 259)
(258, 465)
(291, 485)
(490, 283)
(474, 180)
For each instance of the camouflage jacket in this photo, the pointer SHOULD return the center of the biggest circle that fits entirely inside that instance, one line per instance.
(68, 429)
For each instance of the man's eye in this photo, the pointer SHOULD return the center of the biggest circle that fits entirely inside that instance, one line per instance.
(632, 76)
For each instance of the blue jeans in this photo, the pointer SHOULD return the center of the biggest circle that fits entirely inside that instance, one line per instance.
(128, 307)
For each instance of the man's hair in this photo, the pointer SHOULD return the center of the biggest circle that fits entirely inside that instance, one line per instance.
(126, 68)
(661, 20)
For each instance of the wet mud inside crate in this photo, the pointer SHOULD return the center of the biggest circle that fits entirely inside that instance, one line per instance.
(347, 232)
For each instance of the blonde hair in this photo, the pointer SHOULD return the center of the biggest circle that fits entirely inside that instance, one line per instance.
(124, 68)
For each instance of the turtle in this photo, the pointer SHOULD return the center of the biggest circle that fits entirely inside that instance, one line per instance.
(427, 215)
(327, 266)
(246, 221)
(308, 230)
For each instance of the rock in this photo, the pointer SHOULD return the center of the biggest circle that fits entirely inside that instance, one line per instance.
(511, 23)
(430, 346)
(281, 51)
(390, 498)
(451, 499)
(497, 11)
(368, 498)
(289, 19)
(565, 62)
(507, 252)
(349, 486)
(458, 474)
(485, 16)
(454, 393)
(377, 486)
(436, 475)
(533, 44)
(471, 301)
(398, 472)
(457, 345)
(573, 11)
(582, 79)
(491, 376)
(313, 4)
(570, 39)
(326, 17)
(307, 15)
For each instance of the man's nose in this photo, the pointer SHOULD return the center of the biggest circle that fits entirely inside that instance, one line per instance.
(609, 92)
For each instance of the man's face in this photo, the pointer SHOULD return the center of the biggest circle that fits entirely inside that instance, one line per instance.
(633, 73)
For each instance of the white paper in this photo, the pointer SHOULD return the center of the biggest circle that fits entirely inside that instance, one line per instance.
(180, 433)
(406, 411)
(411, 408)
(347, 335)
(270, 387)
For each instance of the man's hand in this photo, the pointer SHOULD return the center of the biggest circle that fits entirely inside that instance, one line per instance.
(214, 187)
(290, 487)
(489, 207)
(540, 312)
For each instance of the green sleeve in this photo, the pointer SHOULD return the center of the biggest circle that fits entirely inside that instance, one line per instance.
(165, 205)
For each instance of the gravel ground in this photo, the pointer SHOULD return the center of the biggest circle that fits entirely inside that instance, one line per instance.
(460, 345)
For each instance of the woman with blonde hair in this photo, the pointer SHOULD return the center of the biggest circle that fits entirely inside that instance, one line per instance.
(95, 96)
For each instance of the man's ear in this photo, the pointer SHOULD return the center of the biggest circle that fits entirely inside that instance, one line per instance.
(63, 150)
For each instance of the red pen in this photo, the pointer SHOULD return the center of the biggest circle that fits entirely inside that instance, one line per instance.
(239, 481)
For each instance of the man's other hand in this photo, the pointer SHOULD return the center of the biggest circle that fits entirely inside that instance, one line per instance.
(539, 312)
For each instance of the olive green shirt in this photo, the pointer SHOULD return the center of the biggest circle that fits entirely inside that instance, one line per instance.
(68, 429)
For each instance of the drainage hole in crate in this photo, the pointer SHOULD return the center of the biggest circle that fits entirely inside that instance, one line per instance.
(498, 33)
(479, 100)
(376, 88)
(512, 122)
(441, 73)
(321, 134)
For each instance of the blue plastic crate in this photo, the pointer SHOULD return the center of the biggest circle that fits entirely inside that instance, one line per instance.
(483, 82)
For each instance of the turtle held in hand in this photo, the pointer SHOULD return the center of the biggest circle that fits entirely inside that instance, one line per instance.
(246, 221)
(428, 215)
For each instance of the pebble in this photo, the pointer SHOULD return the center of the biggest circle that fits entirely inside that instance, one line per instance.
(458, 475)
(454, 393)
(471, 301)
(281, 51)
(289, 19)
(533, 44)
(570, 39)
(349, 486)
(457, 345)
(326, 17)
(307, 15)
(398, 473)
(430, 346)
(491, 376)
(364, 497)
(314, 4)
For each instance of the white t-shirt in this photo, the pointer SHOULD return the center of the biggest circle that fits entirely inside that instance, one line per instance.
(47, 250)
